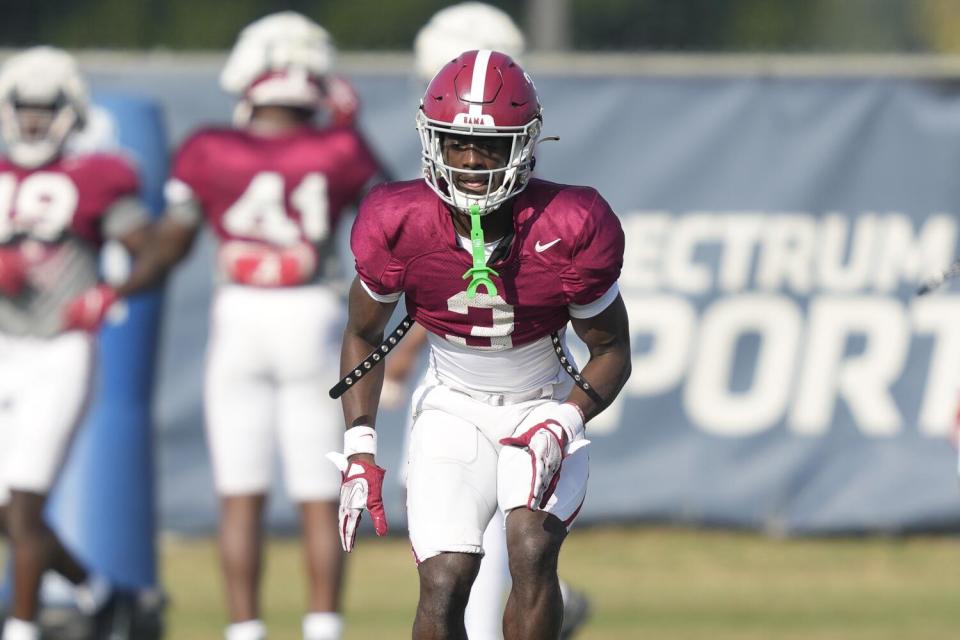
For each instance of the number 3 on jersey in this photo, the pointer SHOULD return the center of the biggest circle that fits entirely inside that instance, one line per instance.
(260, 212)
(501, 324)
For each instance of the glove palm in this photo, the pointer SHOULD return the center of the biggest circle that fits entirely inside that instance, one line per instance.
(361, 488)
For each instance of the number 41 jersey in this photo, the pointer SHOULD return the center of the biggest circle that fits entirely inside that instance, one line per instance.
(277, 190)
(563, 260)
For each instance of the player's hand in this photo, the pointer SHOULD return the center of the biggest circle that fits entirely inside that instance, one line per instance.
(264, 266)
(558, 433)
(361, 488)
(87, 311)
(342, 101)
(13, 271)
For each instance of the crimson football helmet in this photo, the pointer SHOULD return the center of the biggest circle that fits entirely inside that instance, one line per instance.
(485, 94)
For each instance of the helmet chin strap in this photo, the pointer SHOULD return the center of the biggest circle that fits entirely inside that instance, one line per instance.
(480, 273)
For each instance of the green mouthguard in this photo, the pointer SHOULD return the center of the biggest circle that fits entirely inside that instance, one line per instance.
(479, 274)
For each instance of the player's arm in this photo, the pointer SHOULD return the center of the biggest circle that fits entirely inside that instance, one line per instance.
(599, 318)
(362, 484)
(367, 319)
(155, 251)
(125, 221)
(607, 336)
(596, 309)
(170, 238)
(559, 431)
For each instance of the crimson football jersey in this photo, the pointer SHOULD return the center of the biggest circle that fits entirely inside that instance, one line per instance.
(279, 189)
(56, 217)
(567, 248)
(67, 196)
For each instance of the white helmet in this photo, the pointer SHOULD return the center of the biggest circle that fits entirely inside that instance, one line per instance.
(47, 78)
(279, 60)
(464, 27)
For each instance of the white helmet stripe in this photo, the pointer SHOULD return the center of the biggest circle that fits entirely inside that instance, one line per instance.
(479, 81)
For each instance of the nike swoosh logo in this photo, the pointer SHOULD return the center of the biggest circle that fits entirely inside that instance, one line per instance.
(543, 247)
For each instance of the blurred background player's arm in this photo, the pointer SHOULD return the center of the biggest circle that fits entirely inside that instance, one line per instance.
(161, 246)
(125, 221)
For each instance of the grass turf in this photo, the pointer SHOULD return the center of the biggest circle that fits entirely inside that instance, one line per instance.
(643, 583)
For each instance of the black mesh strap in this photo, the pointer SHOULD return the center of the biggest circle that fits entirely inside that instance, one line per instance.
(376, 357)
(571, 369)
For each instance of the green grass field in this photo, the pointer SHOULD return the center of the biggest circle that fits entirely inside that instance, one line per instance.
(643, 582)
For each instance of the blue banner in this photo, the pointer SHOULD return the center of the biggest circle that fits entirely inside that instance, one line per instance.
(786, 378)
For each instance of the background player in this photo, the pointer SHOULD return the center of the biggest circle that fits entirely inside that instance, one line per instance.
(273, 189)
(56, 210)
(452, 30)
(497, 424)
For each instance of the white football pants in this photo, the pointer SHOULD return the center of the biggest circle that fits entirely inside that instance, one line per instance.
(273, 354)
(44, 387)
(454, 481)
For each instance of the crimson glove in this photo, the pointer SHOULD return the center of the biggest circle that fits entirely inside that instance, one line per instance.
(87, 311)
(361, 488)
(558, 432)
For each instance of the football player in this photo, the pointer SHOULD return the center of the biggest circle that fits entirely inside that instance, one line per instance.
(272, 188)
(452, 30)
(493, 264)
(56, 211)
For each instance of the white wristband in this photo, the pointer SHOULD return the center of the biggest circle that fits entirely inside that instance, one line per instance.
(360, 439)
(573, 420)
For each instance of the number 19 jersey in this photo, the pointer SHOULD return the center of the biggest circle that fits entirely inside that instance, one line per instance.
(56, 217)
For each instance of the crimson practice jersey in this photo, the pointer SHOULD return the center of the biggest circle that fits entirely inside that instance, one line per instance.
(55, 218)
(567, 251)
(278, 190)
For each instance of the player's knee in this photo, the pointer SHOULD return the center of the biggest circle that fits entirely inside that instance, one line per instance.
(533, 556)
(446, 582)
(534, 548)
